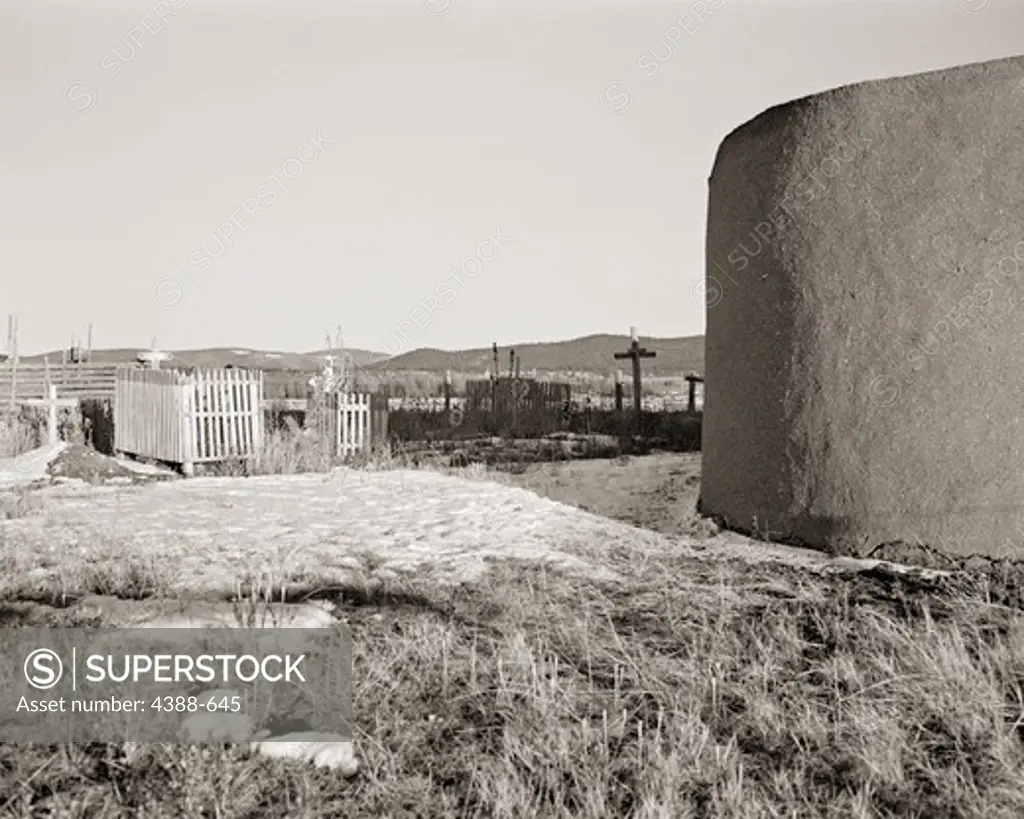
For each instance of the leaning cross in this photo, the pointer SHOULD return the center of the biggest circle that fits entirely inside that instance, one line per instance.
(51, 402)
(636, 352)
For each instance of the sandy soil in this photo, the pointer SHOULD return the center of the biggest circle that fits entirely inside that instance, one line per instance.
(657, 492)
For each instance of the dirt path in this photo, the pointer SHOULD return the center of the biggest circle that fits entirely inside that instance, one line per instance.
(659, 493)
(656, 492)
(29, 468)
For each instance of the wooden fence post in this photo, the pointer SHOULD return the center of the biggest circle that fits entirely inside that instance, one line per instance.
(14, 363)
(189, 418)
(691, 398)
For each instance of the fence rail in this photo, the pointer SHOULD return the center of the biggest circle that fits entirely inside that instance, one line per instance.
(30, 381)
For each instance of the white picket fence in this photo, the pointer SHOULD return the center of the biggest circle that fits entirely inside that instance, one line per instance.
(188, 418)
(353, 423)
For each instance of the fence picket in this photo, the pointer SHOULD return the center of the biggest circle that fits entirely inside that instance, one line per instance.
(224, 413)
(200, 414)
(216, 414)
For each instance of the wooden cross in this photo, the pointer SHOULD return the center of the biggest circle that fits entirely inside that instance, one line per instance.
(636, 352)
(152, 357)
(51, 402)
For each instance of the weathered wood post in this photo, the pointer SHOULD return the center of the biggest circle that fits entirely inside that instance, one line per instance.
(494, 389)
(691, 398)
(345, 377)
(14, 363)
(51, 415)
(187, 399)
(618, 391)
(636, 352)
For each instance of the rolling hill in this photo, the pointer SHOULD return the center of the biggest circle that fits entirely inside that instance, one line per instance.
(590, 354)
(219, 357)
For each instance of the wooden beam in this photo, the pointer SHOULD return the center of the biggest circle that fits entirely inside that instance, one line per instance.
(286, 404)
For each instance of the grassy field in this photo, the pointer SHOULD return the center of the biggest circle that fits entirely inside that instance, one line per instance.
(691, 687)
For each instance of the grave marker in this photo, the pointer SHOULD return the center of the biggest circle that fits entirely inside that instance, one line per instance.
(51, 402)
(636, 352)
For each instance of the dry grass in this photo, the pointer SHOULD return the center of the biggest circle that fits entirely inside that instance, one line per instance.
(18, 433)
(126, 576)
(18, 503)
(292, 450)
(695, 689)
(26, 428)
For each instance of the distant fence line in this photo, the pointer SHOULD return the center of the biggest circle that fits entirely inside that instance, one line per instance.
(134, 419)
(26, 382)
(517, 406)
(97, 381)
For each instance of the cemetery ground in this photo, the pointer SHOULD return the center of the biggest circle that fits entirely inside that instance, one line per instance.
(564, 639)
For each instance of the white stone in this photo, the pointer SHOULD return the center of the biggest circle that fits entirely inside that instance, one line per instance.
(323, 750)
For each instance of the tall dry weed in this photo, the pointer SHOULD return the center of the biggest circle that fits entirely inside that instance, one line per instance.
(19, 432)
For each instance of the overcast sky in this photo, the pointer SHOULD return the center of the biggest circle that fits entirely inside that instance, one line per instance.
(352, 156)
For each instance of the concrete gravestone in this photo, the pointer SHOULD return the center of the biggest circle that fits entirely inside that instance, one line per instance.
(306, 744)
(865, 334)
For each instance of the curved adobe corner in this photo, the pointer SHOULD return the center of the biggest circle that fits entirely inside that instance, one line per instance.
(865, 325)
